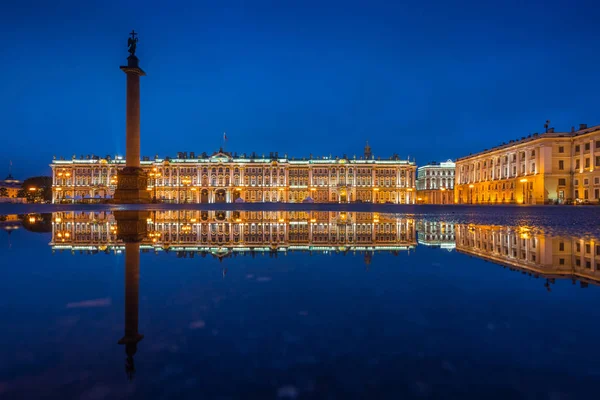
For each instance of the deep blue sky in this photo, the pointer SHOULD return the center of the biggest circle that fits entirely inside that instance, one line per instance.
(432, 80)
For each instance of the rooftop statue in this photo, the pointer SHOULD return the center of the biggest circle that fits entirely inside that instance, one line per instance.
(132, 42)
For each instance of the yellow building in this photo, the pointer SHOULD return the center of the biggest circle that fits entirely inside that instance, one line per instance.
(224, 178)
(543, 168)
(539, 254)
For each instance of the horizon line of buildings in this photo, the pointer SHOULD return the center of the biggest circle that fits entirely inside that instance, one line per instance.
(551, 167)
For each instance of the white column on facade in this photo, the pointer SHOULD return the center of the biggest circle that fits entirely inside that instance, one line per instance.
(592, 157)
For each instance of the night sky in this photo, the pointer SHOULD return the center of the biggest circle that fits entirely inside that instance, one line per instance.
(430, 80)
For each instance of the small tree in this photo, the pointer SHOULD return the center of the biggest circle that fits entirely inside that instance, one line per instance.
(37, 188)
(3, 192)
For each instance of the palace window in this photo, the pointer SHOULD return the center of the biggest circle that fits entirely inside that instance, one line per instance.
(587, 163)
(577, 148)
(577, 164)
(561, 164)
(561, 149)
(597, 161)
(587, 146)
(562, 182)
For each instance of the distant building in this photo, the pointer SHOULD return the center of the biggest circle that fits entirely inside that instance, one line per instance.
(10, 186)
(551, 167)
(226, 178)
(435, 183)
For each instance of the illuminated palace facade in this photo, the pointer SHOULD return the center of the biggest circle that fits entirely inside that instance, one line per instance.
(225, 178)
(542, 168)
(223, 233)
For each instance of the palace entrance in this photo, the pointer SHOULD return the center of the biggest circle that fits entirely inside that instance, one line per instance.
(220, 196)
(343, 197)
(204, 196)
(236, 195)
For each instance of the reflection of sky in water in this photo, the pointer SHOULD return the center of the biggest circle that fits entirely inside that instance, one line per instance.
(420, 322)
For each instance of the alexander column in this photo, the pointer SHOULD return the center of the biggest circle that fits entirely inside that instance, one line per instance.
(132, 181)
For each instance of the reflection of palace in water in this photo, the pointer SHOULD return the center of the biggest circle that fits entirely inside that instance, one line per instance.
(230, 233)
(223, 233)
(536, 253)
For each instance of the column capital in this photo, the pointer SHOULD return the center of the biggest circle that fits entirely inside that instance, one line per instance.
(132, 66)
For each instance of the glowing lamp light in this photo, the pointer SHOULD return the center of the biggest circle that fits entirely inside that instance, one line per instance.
(523, 180)
(32, 220)
(471, 186)
(32, 189)
(57, 219)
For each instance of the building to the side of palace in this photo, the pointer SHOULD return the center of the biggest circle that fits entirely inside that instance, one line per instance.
(435, 183)
(10, 187)
(224, 178)
(551, 167)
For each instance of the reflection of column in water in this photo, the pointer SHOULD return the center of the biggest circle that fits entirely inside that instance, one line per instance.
(132, 283)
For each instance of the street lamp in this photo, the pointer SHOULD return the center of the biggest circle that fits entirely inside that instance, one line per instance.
(471, 186)
(524, 182)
